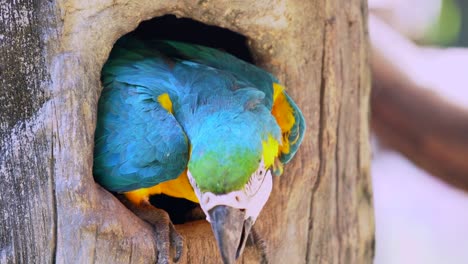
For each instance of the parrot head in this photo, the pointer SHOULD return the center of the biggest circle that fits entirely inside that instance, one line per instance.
(229, 172)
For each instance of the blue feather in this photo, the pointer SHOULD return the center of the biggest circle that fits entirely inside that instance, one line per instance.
(220, 104)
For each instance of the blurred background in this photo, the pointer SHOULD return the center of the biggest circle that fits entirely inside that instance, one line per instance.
(421, 217)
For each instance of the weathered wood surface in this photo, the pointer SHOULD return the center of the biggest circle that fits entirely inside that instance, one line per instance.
(321, 209)
(27, 200)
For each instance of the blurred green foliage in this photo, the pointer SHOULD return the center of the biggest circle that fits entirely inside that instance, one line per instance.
(446, 30)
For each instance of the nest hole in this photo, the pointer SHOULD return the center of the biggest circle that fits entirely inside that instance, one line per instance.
(169, 27)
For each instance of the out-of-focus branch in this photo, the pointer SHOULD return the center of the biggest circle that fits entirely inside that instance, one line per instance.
(430, 131)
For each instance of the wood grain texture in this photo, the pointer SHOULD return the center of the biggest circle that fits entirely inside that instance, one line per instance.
(321, 208)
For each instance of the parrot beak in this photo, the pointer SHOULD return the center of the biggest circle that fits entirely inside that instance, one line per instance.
(231, 231)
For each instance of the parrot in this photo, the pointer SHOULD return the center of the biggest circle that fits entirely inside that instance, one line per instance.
(197, 123)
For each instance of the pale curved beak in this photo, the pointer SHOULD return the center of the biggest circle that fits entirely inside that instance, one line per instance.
(231, 231)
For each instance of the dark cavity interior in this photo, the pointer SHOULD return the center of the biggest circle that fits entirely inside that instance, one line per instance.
(188, 30)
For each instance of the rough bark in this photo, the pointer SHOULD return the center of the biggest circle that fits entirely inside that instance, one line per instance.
(321, 208)
(27, 200)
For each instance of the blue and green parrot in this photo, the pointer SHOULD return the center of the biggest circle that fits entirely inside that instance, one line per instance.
(194, 122)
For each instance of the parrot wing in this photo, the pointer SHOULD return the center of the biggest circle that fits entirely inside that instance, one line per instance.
(138, 142)
(242, 71)
(292, 124)
(284, 109)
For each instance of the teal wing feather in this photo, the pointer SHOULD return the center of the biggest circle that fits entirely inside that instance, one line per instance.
(246, 74)
(137, 142)
(296, 134)
(252, 75)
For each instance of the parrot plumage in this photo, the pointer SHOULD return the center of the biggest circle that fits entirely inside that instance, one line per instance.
(197, 123)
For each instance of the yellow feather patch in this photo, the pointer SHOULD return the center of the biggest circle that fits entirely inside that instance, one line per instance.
(139, 196)
(277, 89)
(178, 188)
(165, 101)
(284, 115)
(270, 151)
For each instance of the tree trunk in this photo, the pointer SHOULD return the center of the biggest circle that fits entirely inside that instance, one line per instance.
(52, 53)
